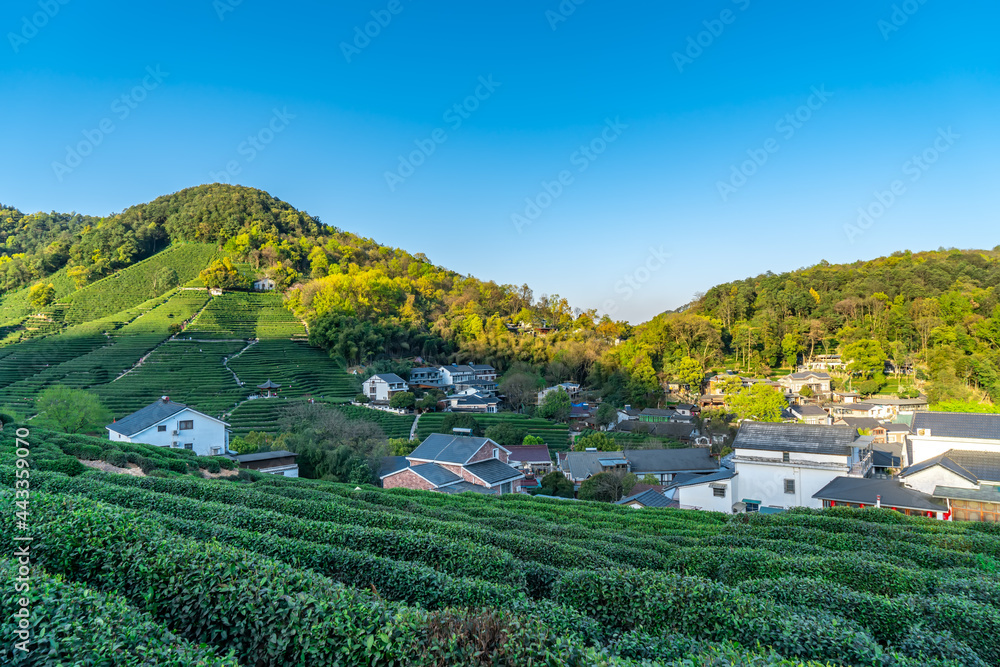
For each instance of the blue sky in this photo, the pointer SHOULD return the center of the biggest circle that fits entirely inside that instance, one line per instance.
(622, 155)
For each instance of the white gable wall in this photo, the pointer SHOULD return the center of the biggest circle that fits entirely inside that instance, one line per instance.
(927, 447)
(703, 497)
(928, 478)
(207, 434)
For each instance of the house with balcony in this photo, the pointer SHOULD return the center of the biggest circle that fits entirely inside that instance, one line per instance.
(817, 381)
(785, 465)
(167, 423)
(380, 388)
(456, 375)
(426, 376)
(452, 463)
(471, 400)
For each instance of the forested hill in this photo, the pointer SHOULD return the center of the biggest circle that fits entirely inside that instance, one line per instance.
(365, 302)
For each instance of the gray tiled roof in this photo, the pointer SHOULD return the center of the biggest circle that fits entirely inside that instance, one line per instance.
(958, 425)
(263, 456)
(691, 459)
(863, 490)
(658, 412)
(145, 417)
(391, 464)
(391, 378)
(802, 375)
(859, 423)
(945, 462)
(493, 471)
(804, 411)
(647, 498)
(691, 480)
(985, 492)
(582, 465)
(803, 438)
(984, 465)
(449, 448)
(882, 459)
(463, 486)
(435, 474)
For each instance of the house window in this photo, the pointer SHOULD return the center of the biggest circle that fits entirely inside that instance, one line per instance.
(185, 424)
(719, 492)
(785, 458)
(496, 453)
(505, 488)
(216, 451)
(161, 428)
(789, 486)
(753, 507)
(188, 445)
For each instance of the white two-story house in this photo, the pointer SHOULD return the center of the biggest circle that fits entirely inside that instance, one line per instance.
(784, 465)
(380, 388)
(167, 423)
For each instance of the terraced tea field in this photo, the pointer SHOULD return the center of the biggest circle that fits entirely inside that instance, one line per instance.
(317, 573)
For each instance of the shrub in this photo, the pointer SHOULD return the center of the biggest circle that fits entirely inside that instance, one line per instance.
(68, 465)
(90, 452)
(115, 457)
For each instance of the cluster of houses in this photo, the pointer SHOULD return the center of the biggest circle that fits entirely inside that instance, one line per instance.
(167, 423)
(469, 387)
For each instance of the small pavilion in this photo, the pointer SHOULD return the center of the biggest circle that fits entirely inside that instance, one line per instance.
(268, 387)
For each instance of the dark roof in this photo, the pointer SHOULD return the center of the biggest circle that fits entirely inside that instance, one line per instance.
(863, 491)
(945, 462)
(958, 425)
(435, 474)
(530, 453)
(263, 456)
(676, 429)
(481, 367)
(391, 378)
(647, 498)
(808, 411)
(891, 427)
(391, 464)
(984, 465)
(885, 459)
(582, 465)
(145, 417)
(658, 412)
(463, 486)
(691, 480)
(986, 492)
(269, 385)
(691, 459)
(804, 438)
(866, 423)
(449, 448)
(640, 487)
(802, 375)
(493, 471)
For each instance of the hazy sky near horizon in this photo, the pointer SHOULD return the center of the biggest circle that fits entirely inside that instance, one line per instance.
(623, 155)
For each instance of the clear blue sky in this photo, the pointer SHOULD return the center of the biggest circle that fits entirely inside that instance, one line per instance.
(889, 92)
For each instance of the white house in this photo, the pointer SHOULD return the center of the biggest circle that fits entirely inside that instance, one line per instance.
(380, 388)
(818, 382)
(715, 492)
(281, 462)
(935, 433)
(426, 375)
(263, 285)
(167, 423)
(784, 465)
(471, 400)
(571, 388)
(455, 374)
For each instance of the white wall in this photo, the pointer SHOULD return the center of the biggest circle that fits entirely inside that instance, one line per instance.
(206, 434)
(928, 478)
(765, 482)
(927, 447)
(703, 497)
(381, 389)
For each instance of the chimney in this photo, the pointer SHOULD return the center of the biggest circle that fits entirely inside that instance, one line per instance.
(165, 399)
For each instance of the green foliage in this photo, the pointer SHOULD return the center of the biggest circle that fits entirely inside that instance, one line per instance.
(758, 402)
(556, 484)
(455, 420)
(533, 440)
(71, 410)
(403, 400)
(223, 274)
(556, 406)
(602, 442)
(507, 434)
(606, 414)
(605, 487)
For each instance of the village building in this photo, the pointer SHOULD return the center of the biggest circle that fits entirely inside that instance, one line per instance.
(167, 423)
(382, 387)
(452, 463)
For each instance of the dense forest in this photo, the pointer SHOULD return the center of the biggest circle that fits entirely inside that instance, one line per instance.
(936, 312)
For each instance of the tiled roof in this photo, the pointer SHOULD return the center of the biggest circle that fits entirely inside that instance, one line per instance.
(859, 423)
(804, 411)
(391, 378)
(985, 492)
(941, 460)
(391, 464)
(803, 375)
(803, 438)
(648, 498)
(984, 465)
(145, 417)
(691, 480)
(493, 471)
(463, 486)
(958, 425)
(263, 456)
(435, 474)
(691, 459)
(530, 453)
(885, 459)
(582, 465)
(449, 448)
(864, 490)
(658, 412)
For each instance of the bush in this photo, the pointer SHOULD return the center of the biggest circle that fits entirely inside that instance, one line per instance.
(212, 465)
(926, 645)
(90, 453)
(68, 465)
(115, 457)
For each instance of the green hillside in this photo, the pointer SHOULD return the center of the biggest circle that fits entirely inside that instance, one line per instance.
(306, 572)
